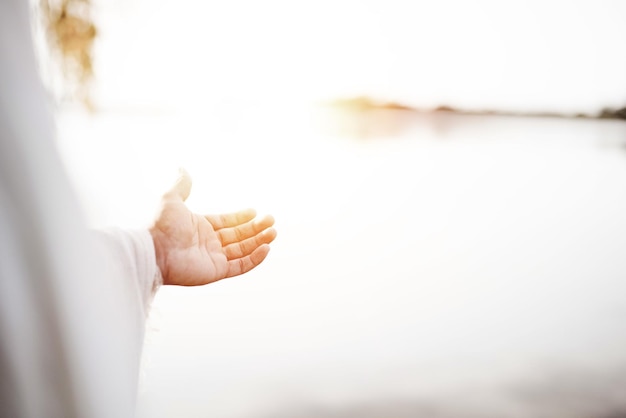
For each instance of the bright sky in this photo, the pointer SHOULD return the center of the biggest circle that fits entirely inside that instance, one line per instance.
(556, 55)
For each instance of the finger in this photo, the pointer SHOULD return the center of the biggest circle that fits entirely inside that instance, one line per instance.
(247, 263)
(244, 231)
(182, 187)
(228, 220)
(246, 247)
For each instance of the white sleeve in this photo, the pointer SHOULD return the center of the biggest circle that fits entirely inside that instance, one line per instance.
(134, 251)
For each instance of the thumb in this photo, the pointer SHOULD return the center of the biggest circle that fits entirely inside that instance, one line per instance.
(182, 187)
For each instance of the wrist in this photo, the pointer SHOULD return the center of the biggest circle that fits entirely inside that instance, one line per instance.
(160, 253)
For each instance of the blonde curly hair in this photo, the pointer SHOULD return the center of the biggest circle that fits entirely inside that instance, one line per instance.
(70, 33)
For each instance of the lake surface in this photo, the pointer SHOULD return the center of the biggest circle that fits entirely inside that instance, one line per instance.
(425, 263)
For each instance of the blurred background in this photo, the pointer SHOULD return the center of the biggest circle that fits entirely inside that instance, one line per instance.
(448, 180)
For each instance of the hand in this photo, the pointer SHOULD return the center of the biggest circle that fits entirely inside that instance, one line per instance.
(193, 249)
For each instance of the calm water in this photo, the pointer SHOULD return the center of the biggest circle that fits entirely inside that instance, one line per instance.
(443, 261)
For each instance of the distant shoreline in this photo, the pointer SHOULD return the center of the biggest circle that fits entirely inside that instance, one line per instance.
(362, 104)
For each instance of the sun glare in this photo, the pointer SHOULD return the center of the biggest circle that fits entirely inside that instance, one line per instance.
(525, 55)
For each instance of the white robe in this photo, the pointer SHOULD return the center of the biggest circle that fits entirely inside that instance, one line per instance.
(73, 302)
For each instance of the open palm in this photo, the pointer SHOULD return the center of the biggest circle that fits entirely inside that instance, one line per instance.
(193, 249)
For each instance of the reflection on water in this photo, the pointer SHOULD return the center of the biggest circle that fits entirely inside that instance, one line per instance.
(425, 264)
